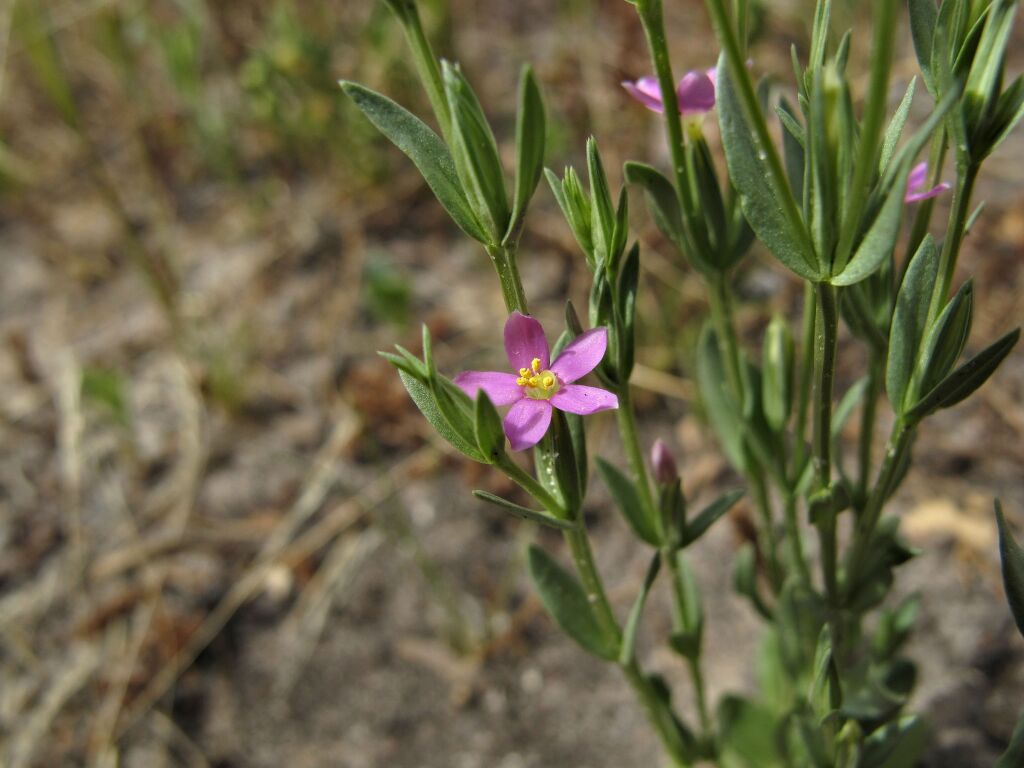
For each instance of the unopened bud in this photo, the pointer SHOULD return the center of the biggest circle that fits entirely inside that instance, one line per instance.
(665, 470)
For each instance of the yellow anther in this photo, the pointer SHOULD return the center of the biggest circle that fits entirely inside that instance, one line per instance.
(535, 365)
(524, 372)
(522, 381)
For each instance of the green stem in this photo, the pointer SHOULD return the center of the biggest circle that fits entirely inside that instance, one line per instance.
(654, 28)
(825, 347)
(885, 25)
(671, 559)
(954, 239)
(900, 441)
(806, 376)
(583, 558)
(634, 453)
(876, 366)
(425, 61)
(504, 259)
(796, 545)
(658, 713)
(752, 110)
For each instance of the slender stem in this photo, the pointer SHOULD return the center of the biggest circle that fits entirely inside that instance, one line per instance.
(825, 347)
(876, 365)
(671, 559)
(752, 110)
(634, 453)
(885, 25)
(954, 239)
(425, 61)
(806, 375)
(795, 540)
(658, 713)
(504, 259)
(583, 558)
(900, 441)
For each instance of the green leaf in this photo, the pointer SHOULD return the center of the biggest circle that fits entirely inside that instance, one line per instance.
(603, 213)
(970, 376)
(896, 126)
(476, 154)
(909, 320)
(531, 127)
(628, 286)
(699, 525)
(824, 694)
(880, 239)
(629, 632)
(662, 201)
(576, 209)
(627, 499)
(748, 734)
(464, 442)
(1013, 757)
(1008, 113)
(534, 515)
(894, 627)
(424, 148)
(923, 15)
(788, 241)
(896, 745)
(490, 436)
(1012, 557)
(794, 148)
(568, 605)
(944, 342)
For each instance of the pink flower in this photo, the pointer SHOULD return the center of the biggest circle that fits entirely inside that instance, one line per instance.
(538, 386)
(696, 92)
(916, 185)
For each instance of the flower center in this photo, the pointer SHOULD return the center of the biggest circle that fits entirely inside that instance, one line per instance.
(539, 385)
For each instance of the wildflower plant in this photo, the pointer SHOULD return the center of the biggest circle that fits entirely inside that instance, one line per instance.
(845, 203)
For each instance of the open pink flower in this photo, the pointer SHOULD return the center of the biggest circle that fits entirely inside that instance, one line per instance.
(696, 92)
(538, 384)
(916, 183)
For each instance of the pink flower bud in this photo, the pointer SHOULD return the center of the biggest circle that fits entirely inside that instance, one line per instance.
(665, 470)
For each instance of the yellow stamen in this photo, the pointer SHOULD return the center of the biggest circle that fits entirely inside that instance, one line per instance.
(535, 365)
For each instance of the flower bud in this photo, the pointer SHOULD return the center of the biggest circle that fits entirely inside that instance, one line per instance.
(665, 470)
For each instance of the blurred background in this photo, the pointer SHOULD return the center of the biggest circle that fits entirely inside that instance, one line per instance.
(226, 536)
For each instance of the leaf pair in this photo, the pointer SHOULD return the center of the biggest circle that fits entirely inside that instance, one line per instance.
(467, 177)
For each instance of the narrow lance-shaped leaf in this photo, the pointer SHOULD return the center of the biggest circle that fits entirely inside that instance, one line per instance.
(707, 517)
(627, 499)
(688, 633)
(923, 14)
(896, 126)
(784, 236)
(909, 320)
(567, 603)
(1012, 557)
(476, 154)
(534, 515)
(490, 436)
(531, 129)
(424, 148)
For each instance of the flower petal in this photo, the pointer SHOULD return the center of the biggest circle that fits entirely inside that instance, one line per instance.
(916, 197)
(584, 401)
(524, 341)
(696, 92)
(527, 422)
(647, 92)
(500, 387)
(917, 178)
(581, 356)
